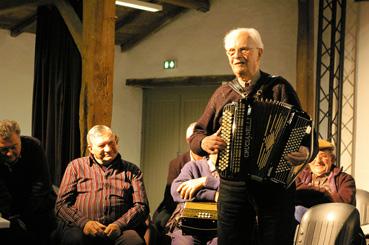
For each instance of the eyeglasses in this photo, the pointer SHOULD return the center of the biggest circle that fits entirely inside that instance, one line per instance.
(244, 51)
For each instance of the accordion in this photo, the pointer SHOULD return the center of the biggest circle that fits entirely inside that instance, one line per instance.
(199, 219)
(259, 134)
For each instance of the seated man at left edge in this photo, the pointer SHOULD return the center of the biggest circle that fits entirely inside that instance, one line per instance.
(26, 196)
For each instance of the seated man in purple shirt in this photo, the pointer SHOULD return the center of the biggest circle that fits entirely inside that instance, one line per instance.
(168, 205)
(102, 198)
(323, 182)
(198, 181)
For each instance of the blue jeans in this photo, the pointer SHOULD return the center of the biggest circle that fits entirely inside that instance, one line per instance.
(255, 213)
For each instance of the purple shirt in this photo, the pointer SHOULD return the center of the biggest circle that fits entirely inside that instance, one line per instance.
(112, 194)
(194, 170)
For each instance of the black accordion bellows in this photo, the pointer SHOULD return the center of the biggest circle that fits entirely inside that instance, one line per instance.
(259, 134)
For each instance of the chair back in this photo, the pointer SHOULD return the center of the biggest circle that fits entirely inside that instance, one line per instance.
(362, 204)
(328, 224)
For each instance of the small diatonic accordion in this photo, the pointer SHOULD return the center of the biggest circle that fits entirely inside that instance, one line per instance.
(199, 219)
(259, 134)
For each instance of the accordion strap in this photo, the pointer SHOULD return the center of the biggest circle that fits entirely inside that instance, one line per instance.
(235, 85)
(257, 91)
(241, 90)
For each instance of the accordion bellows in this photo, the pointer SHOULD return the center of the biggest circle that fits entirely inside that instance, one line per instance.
(259, 134)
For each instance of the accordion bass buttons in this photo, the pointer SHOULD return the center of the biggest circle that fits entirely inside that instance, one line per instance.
(203, 215)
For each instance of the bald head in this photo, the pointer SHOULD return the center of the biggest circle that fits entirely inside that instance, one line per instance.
(190, 131)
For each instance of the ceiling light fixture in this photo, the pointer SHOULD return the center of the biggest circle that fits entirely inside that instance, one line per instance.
(152, 7)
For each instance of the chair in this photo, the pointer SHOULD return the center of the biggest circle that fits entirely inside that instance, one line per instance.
(329, 224)
(362, 204)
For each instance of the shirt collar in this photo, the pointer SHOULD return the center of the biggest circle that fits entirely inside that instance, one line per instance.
(92, 160)
(252, 81)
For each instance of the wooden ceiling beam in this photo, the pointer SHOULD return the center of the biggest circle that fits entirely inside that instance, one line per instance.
(127, 19)
(200, 5)
(152, 28)
(179, 81)
(22, 25)
(72, 21)
(11, 5)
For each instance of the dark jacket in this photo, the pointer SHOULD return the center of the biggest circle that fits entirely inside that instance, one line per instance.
(167, 205)
(26, 193)
(275, 88)
(341, 185)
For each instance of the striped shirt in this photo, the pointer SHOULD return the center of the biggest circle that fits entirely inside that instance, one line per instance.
(107, 194)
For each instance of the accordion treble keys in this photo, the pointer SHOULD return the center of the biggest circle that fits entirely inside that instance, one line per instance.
(258, 135)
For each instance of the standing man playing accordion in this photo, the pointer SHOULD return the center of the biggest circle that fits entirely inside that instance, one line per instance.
(250, 212)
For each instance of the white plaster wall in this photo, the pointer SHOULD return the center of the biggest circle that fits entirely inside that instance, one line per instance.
(16, 78)
(16, 89)
(195, 41)
(362, 111)
(127, 110)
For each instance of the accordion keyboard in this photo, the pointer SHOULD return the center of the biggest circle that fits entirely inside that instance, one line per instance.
(258, 135)
(283, 170)
(226, 134)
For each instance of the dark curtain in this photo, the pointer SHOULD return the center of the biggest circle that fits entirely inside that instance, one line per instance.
(57, 82)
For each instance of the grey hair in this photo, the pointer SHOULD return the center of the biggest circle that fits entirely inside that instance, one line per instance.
(98, 130)
(253, 34)
(8, 127)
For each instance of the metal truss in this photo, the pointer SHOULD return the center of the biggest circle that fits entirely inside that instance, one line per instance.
(330, 65)
(349, 81)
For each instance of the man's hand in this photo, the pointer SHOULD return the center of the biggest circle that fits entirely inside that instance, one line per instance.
(212, 144)
(112, 231)
(298, 157)
(94, 228)
(188, 189)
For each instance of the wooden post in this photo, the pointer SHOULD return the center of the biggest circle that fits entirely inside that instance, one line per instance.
(96, 97)
(305, 82)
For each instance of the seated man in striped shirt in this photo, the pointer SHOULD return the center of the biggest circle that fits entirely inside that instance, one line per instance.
(102, 198)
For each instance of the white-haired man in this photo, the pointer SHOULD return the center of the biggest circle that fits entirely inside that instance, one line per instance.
(102, 198)
(247, 206)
